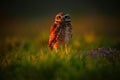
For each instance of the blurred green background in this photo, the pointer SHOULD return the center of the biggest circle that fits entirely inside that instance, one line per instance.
(28, 18)
(24, 34)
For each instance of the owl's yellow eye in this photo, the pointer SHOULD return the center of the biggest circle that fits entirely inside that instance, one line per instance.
(59, 17)
(67, 17)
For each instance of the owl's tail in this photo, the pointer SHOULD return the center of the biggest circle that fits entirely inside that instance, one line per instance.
(51, 43)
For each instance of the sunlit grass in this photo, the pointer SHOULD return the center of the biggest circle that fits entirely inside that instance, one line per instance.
(28, 59)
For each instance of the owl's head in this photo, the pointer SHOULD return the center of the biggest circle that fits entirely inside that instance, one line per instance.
(62, 17)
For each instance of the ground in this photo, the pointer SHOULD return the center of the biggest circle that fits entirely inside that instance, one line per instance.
(28, 59)
(93, 52)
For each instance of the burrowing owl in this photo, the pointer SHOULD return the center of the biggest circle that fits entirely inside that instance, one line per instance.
(60, 31)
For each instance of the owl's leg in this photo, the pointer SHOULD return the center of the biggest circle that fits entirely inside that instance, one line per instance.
(66, 48)
(56, 48)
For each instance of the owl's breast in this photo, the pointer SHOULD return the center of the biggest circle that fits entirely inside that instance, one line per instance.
(67, 34)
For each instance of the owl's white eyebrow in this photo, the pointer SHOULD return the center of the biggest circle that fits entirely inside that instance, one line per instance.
(65, 15)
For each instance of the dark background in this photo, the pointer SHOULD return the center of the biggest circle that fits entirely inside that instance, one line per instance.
(40, 7)
(30, 17)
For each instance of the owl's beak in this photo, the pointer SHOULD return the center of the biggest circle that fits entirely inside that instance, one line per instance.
(63, 19)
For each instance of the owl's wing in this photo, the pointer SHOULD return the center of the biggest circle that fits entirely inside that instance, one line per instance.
(52, 28)
(70, 29)
(53, 35)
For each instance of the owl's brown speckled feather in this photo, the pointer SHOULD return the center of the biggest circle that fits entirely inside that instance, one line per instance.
(60, 31)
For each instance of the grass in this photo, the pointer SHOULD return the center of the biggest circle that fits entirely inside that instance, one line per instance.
(30, 59)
